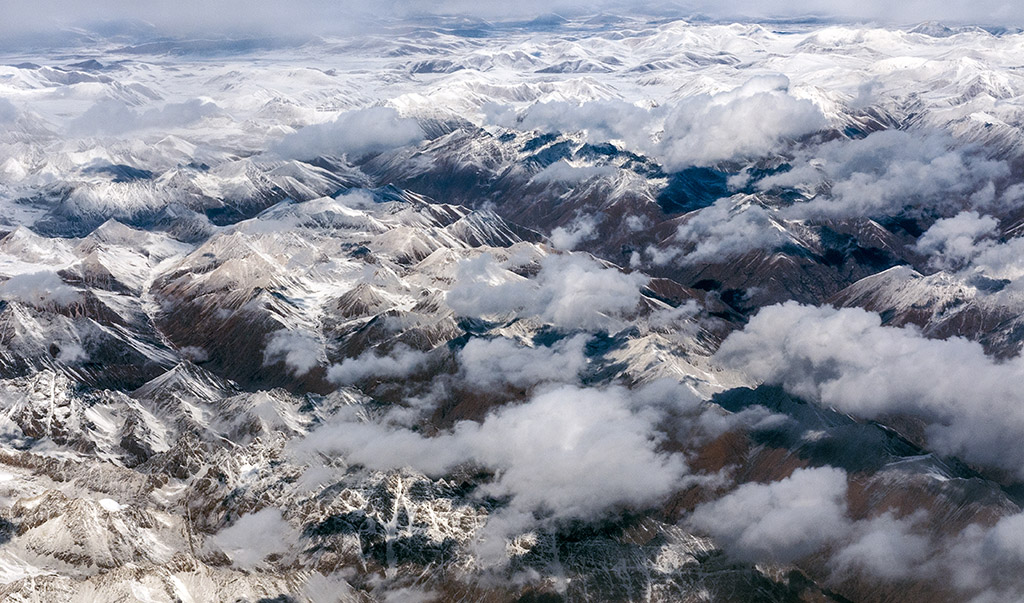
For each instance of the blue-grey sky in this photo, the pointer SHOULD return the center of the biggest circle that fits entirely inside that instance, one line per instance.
(322, 16)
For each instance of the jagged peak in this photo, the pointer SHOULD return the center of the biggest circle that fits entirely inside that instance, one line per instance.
(362, 300)
(187, 379)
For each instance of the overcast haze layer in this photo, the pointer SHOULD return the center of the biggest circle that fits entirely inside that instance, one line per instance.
(25, 17)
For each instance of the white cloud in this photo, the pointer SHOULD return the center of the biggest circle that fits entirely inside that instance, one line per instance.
(39, 289)
(953, 242)
(572, 452)
(112, 117)
(255, 536)
(353, 133)
(576, 452)
(71, 352)
(1003, 260)
(637, 223)
(409, 594)
(780, 521)
(885, 172)
(563, 171)
(583, 228)
(300, 351)
(847, 359)
(984, 562)
(749, 121)
(884, 547)
(194, 353)
(680, 319)
(572, 291)
(601, 120)
(968, 243)
(806, 513)
(490, 362)
(402, 362)
(999, 548)
(729, 227)
(356, 198)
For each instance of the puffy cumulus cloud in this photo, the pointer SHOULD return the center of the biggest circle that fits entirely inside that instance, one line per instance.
(1008, 199)
(300, 351)
(728, 227)
(576, 452)
(566, 453)
(983, 562)
(781, 521)
(680, 319)
(583, 228)
(806, 513)
(749, 121)
(569, 451)
(353, 133)
(759, 522)
(402, 362)
(886, 172)
(565, 172)
(1003, 541)
(637, 223)
(847, 359)
(194, 353)
(953, 242)
(111, 117)
(755, 418)
(484, 287)
(572, 291)
(1000, 260)
(883, 547)
(409, 594)
(256, 536)
(490, 362)
(71, 352)
(968, 242)
(357, 198)
(600, 120)
(39, 289)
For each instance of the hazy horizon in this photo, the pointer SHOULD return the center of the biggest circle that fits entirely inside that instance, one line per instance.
(262, 17)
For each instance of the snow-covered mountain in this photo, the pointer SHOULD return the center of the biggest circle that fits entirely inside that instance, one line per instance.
(585, 309)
